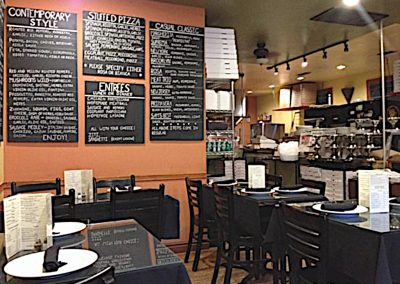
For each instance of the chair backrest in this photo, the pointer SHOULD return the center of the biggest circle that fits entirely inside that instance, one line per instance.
(194, 190)
(108, 183)
(145, 206)
(106, 276)
(306, 238)
(224, 208)
(63, 206)
(273, 180)
(319, 185)
(33, 187)
(93, 212)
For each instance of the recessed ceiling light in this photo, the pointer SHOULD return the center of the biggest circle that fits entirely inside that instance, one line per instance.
(300, 78)
(271, 86)
(341, 67)
(249, 92)
(351, 3)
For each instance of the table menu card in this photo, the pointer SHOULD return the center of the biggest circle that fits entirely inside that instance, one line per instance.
(256, 176)
(373, 190)
(27, 221)
(82, 182)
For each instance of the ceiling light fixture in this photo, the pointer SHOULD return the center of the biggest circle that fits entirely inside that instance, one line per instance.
(304, 64)
(249, 92)
(341, 67)
(351, 3)
(304, 56)
(300, 78)
(271, 86)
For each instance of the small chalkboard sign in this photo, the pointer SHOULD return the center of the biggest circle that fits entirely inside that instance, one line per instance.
(1, 65)
(125, 247)
(176, 82)
(113, 45)
(114, 113)
(42, 76)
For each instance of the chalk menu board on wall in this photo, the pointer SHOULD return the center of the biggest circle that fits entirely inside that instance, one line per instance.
(114, 113)
(1, 65)
(124, 247)
(176, 82)
(42, 76)
(113, 45)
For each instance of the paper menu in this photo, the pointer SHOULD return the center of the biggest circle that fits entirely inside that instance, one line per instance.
(373, 190)
(82, 182)
(256, 176)
(27, 219)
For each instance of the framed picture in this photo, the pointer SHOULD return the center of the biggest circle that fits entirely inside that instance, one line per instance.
(374, 87)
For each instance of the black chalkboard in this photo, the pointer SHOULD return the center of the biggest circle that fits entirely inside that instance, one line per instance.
(176, 82)
(113, 45)
(42, 76)
(1, 65)
(374, 87)
(114, 113)
(124, 247)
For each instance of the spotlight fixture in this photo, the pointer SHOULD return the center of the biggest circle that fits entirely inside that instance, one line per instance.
(304, 64)
(346, 47)
(341, 67)
(276, 71)
(287, 66)
(325, 54)
(351, 3)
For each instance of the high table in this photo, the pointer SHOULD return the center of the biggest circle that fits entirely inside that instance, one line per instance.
(364, 248)
(138, 257)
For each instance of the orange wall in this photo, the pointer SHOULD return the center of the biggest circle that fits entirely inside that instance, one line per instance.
(44, 161)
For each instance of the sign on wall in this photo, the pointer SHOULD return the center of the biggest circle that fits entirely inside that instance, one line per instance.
(176, 82)
(1, 65)
(42, 76)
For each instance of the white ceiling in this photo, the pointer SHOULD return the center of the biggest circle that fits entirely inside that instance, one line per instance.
(285, 27)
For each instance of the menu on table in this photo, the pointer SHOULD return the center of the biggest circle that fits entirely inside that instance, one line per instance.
(42, 76)
(113, 45)
(176, 82)
(82, 182)
(114, 113)
(1, 65)
(124, 246)
(27, 221)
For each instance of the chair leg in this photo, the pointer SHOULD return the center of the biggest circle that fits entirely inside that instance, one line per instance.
(229, 265)
(190, 240)
(217, 263)
(198, 249)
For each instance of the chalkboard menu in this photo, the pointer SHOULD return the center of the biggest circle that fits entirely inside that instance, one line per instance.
(1, 65)
(114, 113)
(163, 254)
(176, 82)
(42, 76)
(113, 45)
(124, 247)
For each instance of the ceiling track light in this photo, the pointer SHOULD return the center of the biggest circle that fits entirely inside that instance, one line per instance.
(304, 56)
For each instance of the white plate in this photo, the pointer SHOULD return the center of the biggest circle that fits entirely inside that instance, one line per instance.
(31, 265)
(249, 191)
(303, 189)
(358, 210)
(67, 228)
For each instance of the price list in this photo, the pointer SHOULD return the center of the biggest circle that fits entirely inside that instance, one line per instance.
(42, 76)
(113, 45)
(114, 113)
(176, 82)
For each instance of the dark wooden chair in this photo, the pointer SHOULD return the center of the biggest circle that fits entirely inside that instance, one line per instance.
(198, 218)
(63, 206)
(235, 235)
(106, 276)
(273, 180)
(93, 212)
(318, 185)
(145, 206)
(35, 187)
(108, 183)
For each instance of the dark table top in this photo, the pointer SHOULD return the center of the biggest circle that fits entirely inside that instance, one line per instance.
(126, 245)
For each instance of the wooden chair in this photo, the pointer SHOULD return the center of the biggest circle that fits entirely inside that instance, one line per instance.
(106, 276)
(273, 180)
(63, 206)
(108, 183)
(198, 218)
(145, 206)
(34, 187)
(318, 185)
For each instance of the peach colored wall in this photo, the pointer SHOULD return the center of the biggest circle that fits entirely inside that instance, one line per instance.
(43, 161)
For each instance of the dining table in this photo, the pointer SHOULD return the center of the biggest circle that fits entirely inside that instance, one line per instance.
(138, 257)
(364, 247)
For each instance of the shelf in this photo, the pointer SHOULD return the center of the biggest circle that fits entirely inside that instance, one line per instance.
(291, 108)
(227, 153)
(212, 111)
(220, 132)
